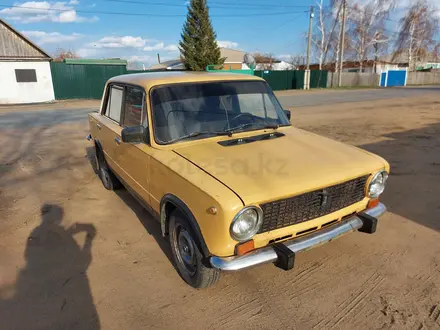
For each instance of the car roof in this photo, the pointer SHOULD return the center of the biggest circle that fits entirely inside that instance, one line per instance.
(151, 79)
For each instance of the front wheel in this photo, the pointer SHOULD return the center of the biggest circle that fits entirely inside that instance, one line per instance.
(187, 256)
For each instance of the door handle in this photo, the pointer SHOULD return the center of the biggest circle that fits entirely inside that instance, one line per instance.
(98, 126)
(117, 140)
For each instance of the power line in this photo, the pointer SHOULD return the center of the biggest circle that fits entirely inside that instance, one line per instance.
(217, 5)
(274, 29)
(140, 14)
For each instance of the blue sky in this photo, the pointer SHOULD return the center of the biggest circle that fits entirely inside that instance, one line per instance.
(272, 26)
(82, 28)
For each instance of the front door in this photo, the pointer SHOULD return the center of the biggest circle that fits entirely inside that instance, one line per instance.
(134, 159)
(110, 127)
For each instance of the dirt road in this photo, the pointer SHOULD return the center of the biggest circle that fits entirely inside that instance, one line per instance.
(75, 256)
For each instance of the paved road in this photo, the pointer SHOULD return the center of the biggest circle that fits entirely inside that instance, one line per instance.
(342, 96)
(51, 115)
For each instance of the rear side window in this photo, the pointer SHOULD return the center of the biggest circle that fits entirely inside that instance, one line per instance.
(114, 104)
(134, 104)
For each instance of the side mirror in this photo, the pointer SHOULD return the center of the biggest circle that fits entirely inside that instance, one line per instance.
(135, 134)
(287, 113)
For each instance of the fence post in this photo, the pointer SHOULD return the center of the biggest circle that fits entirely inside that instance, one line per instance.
(406, 76)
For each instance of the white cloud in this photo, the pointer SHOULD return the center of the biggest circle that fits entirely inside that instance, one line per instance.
(227, 44)
(88, 52)
(142, 58)
(158, 46)
(41, 37)
(284, 57)
(74, 2)
(132, 48)
(120, 42)
(171, 48)
(43, 11)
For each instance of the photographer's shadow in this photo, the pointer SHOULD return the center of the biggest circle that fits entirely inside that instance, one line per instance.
(52, 290)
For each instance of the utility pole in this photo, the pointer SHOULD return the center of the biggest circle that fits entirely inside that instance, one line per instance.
(309, 46)
(341, 59)
(376, 51)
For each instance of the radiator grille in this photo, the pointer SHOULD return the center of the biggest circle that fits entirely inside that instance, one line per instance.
(312, 205)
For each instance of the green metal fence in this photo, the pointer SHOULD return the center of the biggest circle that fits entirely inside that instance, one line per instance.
(82, 81)
(87, 81)
(283, 80)
(214, 68)
(318, 79)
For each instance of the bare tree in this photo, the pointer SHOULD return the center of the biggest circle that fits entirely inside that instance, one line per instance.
(61, 54)
(264, 61)
(417, 32)
(320, 40)
(366, 28)
(296, 61)
(334, 37)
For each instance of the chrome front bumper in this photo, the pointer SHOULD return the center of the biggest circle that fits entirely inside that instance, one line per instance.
(268, 254)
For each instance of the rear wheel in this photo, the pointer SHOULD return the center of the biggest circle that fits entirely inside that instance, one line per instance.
(187, 256)
(108, 179)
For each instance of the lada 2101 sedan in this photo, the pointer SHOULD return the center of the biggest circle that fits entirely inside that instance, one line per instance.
(233, 184)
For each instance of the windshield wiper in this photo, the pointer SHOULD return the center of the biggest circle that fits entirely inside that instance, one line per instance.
(195, 134)
(239, 128)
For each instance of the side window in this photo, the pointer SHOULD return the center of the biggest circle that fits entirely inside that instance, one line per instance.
(114, 103)
(134, 105)
(258, 105)
(271, 111)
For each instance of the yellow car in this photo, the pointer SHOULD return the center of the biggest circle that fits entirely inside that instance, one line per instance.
(233, 184)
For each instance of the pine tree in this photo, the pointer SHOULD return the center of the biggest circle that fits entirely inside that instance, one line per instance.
(198, 47)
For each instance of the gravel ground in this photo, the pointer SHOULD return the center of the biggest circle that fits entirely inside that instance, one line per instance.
(75, 256)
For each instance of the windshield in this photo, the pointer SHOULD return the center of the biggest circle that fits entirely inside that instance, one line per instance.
(201, 110)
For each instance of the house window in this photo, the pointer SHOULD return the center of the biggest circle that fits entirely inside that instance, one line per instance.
(25, 75)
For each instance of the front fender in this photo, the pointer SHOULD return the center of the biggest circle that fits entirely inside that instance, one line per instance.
(180, 205)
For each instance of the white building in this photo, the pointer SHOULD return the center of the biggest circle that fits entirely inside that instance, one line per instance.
(25, 75)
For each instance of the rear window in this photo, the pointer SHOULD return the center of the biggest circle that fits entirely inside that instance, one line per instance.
(114, 104)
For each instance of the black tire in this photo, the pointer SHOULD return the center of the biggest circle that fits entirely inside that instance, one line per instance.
(190, 264)
(108, 179)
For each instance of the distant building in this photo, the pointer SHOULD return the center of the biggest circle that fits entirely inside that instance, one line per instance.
(234, 60)
(368, 66)
(168, 65)
(25, 75)
(275, 66)
(383, 64)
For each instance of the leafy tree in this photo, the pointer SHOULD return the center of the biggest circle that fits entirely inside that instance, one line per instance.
(198, 47)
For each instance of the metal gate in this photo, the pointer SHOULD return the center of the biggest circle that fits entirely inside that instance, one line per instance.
(82, 81)
(394, 78)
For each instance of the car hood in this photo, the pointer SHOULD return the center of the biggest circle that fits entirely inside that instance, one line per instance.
(276, 168)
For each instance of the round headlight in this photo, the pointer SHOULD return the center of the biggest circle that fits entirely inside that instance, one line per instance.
(377, 184)
(246, 224)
